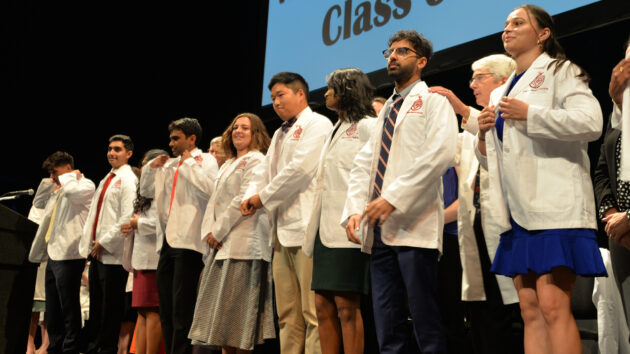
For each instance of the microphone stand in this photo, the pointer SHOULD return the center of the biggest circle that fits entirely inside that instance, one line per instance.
(10, 197)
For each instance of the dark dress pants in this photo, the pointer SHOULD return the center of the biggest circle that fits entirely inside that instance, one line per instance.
(107, 306)
(178, 274)
(452, 308)
(493, 325)
(396, 272)
(63, 307)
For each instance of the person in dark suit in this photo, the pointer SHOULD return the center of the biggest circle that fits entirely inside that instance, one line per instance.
(613, 193)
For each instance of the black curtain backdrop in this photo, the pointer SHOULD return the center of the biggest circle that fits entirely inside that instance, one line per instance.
(78, 72)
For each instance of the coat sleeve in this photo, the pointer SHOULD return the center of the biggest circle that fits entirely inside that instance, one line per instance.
(79, 191)
(44, 191)
(147, 181)
(601, 176)
(201, 175)
(575, 115)
(437, 151)
(298, 173)
(359, 180)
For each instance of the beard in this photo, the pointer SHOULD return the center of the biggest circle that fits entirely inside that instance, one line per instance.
(400, 72)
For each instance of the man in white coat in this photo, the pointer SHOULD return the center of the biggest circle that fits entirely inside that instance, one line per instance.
(103, 243)
(284, 185)
(57, 239)
(394, 206)
(181, 188)
(491, 299)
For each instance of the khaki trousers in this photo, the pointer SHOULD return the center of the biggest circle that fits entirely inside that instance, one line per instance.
(295, 301)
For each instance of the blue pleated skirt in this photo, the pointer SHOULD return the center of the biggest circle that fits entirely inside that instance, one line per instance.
(521, 251)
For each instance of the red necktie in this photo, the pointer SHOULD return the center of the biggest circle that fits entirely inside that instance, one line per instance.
(173, 190)
(100, 203)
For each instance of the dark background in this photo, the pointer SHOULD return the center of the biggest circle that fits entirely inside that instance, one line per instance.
(78, 72)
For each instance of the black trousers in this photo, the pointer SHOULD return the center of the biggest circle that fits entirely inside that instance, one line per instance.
(496, 328)
(107, 306)
(177, 274)
(452, 308)
(63, 308)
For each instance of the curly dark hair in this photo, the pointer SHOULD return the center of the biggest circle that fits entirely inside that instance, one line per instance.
(355, 93)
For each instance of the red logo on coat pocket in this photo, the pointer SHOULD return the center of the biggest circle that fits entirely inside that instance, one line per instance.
(415, 107)
(297, 133)
(538, 81)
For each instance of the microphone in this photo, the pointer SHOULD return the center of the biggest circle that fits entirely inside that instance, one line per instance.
(22, 192)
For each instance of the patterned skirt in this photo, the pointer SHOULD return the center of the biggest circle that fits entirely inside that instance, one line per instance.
(234, 305)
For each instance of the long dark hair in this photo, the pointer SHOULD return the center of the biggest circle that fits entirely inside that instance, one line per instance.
(355, 93)
(551, 46)
(142, 204)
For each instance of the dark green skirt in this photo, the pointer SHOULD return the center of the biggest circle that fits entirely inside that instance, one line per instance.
(340, 269)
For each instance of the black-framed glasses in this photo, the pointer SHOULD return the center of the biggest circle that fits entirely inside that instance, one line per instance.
(400, 51)
(478, 77)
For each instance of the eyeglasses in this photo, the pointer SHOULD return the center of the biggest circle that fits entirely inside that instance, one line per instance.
(400, 51)
(478, 77)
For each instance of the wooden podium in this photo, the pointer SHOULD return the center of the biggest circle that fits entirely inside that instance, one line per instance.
(17, 280)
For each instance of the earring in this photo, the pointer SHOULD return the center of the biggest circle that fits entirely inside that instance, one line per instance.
(538, 43)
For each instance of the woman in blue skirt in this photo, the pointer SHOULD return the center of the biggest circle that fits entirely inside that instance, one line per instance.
(533, 139)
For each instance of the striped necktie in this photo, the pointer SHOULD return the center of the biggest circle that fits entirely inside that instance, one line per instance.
(386, 143)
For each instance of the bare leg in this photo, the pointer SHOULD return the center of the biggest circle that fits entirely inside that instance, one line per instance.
(43, 349)
(141, 332)
(536, 334)
(349, 312)
(328, 322)
(554, 297)
(153, 331)
(126, 331)
(32, 331)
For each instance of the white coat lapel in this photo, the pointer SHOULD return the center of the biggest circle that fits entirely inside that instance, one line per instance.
(539, 65)
(412, 97)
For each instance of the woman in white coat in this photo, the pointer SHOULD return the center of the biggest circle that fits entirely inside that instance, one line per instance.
(340, 269)
(541, 193)
(141, 233)
(234, 305)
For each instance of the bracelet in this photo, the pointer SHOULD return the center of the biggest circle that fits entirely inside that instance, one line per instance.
(479, 137)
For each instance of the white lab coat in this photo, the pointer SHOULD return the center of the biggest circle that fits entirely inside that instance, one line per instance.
(421, 151)
(141, 244)
(331, 184)
(35, 214)
(72, 210)
(541, 175)
(288, 196)
(243, 237)
(472, 279)
(612, 328)
(195, 183)
(116, 209)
